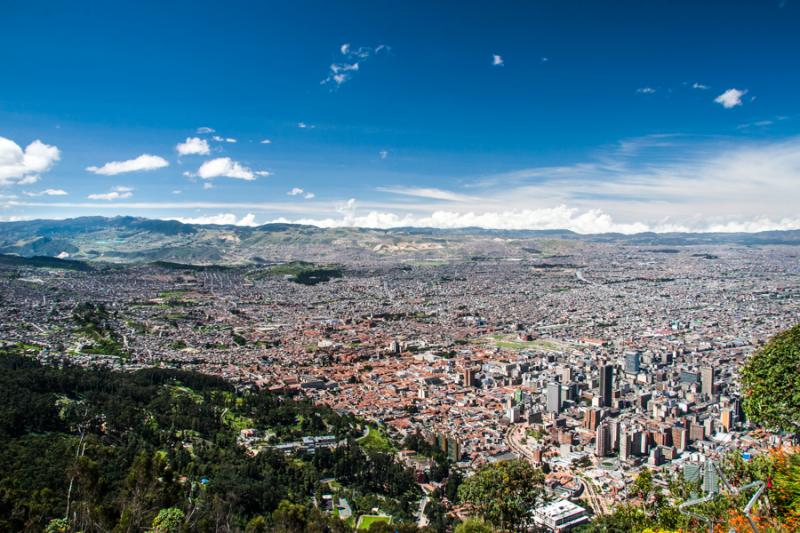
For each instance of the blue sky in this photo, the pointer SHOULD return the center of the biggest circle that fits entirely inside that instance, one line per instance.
(591, 116)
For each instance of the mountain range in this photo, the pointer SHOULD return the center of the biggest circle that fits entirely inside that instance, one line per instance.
(134, 239)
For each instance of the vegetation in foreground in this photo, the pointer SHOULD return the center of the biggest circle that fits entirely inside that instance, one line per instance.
(95, 450)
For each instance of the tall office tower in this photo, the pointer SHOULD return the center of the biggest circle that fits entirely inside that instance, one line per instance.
(614, 427)
(625, 445)
(707, 380)
(565, 372)
(553, 398)
(469, 377)
(633, 362)
(606, 385)
(602, 445)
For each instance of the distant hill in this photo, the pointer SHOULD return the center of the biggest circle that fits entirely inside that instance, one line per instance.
(43, 262)
(141, 240)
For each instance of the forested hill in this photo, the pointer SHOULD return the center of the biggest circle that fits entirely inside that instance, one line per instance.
(163, 443)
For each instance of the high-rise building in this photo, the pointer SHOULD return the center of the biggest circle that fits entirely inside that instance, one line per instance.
(602, 445)
(553, 398)
(625, 446)
(726, 419)
(707, 380)
(606, 385)
(633, 362)
(469, 377)
(614, 427)
(680, 438)
(592, 418)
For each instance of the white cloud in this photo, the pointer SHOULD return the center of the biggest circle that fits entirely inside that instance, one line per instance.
(730, 98)
(383, 154)
(225, 167)
(303, 126)
(222, 219)
(342, 71)
(428, 192)
(193, 146)
(18, 166)
(205, 129)
(262, 173)
(208, 185)
(266, 141)
(117, 193)
(700, 86)
(645, 90)
(141, 163)
(497, 60)
(223, 139)
(297, 191)
(47, 192)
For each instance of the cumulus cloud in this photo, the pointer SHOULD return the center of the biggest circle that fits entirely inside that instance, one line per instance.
(730, 98)
(225, 167)
(193, 146)
(303, 126)
(645, 90)
(592, 221)
(297, 191)
(266, 141)
(205, 129)
(46, 192)
(700, 86)
(141, 163)
(352, 59)
(223, 139)
(117, 193)
(18, 166)
(497, 60)
(221, 219)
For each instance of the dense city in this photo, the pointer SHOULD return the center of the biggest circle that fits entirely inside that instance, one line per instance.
(593, 362)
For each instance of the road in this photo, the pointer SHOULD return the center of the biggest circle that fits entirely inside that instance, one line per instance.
(598, 506)
(422, 518)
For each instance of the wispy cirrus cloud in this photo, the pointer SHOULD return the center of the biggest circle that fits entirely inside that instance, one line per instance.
(142, 163)
(351, 60)
(428, 192)
(46, 192)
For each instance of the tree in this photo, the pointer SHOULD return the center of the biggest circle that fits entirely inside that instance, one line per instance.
(504, 493)
(168, 520)
(473, 525)
(771, 382)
